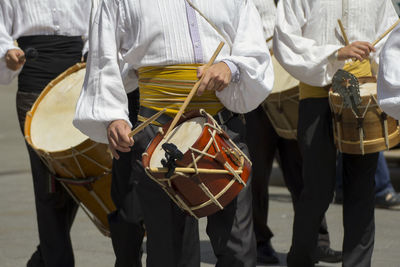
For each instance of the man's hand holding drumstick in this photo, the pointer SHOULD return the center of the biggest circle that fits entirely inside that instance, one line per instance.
(216, 78)
(15, 59)
(357, 50)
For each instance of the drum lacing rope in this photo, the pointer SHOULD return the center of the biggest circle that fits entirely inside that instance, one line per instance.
(384, 121)
(360, 122)
(338, 117)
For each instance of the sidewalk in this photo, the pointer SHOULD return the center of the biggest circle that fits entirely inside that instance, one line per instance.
(18, 230)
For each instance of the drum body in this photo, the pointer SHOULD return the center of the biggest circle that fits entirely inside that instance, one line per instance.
(81, 165)
(282, 105)
(211, 173)
(369, 131)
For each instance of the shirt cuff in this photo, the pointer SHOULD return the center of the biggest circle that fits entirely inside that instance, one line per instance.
(234, 70)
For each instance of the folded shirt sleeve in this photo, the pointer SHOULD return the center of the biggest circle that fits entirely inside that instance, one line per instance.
(251, 55)
(103, 98)
(389, 75)
(302, 57)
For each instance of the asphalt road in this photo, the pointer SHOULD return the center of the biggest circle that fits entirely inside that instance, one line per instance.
(18, 229)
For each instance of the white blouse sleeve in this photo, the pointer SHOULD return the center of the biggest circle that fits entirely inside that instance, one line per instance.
(250, 54)
(103, 98)
(6, 42)
(302, 57)
(389, 76)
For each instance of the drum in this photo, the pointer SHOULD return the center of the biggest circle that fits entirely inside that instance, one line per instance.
(282, 104)
(211, 171)
(369, 131)
(81, 165)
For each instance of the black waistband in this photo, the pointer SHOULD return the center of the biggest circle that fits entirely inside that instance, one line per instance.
(55, 55)
(221, 117)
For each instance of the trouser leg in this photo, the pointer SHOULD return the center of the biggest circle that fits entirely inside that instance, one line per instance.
(291, 165)
(55, 211)
(383, 185)
(319, 157)
(171, 233)
(261, 140)
(358, 209)
(231, 229)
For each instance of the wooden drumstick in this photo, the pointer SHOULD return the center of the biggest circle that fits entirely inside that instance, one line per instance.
(346, 40)
(194, 89)
(386, 33)
(269, 39)
(146, 122)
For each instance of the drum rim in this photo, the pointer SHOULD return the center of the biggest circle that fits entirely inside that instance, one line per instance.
(29, 115)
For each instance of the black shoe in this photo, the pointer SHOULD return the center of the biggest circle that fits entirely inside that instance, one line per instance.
(387, 201)
(326, 254)
(266, 253)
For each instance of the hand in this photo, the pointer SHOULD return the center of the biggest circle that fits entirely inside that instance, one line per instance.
(216, 78)
(13, 60)
(358, 50)
(118, 139)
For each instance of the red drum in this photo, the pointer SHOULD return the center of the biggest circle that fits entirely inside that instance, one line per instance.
(212, 171)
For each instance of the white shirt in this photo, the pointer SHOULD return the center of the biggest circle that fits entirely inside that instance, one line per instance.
(267, 10)
(155, 32)
(389, 75)
(39, 17)
(307, 34)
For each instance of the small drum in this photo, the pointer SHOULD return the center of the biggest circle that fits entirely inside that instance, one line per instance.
(282, 104)
(212, 171)
(369, 131)
(81, 165)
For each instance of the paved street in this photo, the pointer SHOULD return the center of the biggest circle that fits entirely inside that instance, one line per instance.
(18, 229)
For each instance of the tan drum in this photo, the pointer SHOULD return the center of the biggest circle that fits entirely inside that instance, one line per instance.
(282, 104)
(81, 165)
(211, 172)
(371, 130)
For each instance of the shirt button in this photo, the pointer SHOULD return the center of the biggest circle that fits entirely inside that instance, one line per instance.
(197, 45)
(192, 24)
(54, 10)
(57, 28)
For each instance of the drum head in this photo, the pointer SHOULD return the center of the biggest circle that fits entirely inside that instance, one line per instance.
(183, 136)
(368, 89)
(283, 80)
(51, 126)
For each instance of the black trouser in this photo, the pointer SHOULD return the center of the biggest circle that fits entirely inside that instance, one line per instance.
(172, 235)
(56, 210)
(315, 138)
(263, 142)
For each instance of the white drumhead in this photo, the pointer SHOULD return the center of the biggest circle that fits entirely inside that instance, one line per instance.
(51, 127)
(183, 136)
(368, 89)
(283, 80)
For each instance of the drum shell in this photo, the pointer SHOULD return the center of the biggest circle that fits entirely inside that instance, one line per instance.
(346, 133)
(187, 188)
(282, 109)
(87, 160)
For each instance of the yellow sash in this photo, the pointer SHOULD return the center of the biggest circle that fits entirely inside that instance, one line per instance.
(168, 86)
(358, 69)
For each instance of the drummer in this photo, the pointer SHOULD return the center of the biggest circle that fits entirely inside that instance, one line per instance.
(389, 76)
(57, 30)
(263, 143)
(308, 45)
(155, 34)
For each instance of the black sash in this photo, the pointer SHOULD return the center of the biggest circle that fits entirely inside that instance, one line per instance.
(56, 54)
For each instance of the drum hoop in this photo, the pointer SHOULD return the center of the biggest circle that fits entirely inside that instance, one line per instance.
(46, 90)
(368, 142)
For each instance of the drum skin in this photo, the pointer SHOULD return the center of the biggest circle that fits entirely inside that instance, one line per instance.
(187, 187)
(86, 160)
(346, 130)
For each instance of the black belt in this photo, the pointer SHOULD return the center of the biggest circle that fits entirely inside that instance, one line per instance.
(222, 117)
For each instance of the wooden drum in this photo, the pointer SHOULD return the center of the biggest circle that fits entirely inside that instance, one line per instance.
(212, 171)
(282, 105)
(81, 165)
(369, 131)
